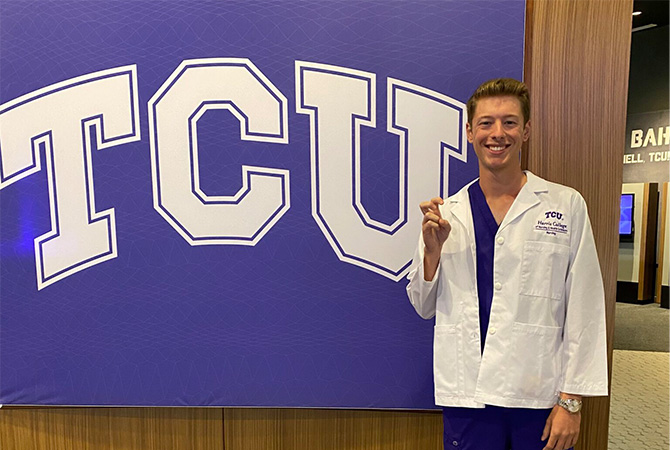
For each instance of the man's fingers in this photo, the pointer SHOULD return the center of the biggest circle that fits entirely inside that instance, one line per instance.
(438, 223)
(572, 442)
(431, 217)
(437, 201)
(560, 443)
(547, 428)
(551, 443)
(433, 214)
(431, 206)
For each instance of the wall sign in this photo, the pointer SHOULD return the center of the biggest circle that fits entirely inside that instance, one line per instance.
(647, 155)
(215, 203)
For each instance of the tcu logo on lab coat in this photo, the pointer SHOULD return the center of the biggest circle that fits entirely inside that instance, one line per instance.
(338, 101)
(553, 215)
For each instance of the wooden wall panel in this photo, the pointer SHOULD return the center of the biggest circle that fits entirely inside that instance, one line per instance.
(649, 233)
(577, 70)
(644, 245)
(110, 428)
(314, 429)
(577, 57)
(661, 257)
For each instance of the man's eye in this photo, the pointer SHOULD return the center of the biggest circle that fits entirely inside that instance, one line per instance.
(510, 122)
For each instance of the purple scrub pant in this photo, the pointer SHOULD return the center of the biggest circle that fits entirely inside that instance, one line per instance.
(494, 428)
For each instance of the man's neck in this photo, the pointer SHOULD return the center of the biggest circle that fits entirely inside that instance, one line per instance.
(501, 184)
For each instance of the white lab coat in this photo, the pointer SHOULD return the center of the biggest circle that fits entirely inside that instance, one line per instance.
(547, 326)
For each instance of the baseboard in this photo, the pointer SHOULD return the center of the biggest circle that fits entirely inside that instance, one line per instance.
(626, 292)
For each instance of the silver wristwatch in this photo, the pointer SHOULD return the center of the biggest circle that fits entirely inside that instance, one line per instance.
(571, 405)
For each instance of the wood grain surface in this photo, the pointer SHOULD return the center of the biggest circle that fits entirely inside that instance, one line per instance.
(576, 64)
(318, 429)
(661, 257)
(644, 237)
(26, 428)
(578, 76)
(648, 239)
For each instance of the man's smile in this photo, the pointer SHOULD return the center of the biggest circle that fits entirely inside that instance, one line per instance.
(497, 148)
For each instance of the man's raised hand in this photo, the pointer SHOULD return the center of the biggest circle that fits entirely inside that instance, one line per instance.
(435, 229)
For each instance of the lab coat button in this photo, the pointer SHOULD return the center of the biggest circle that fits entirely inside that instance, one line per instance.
(498, 286)
(500, 240)
(492, 330)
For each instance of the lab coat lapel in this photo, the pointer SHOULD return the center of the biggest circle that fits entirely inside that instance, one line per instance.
(526, 199)
(460, 208)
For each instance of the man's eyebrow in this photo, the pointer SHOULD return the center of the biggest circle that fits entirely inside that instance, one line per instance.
(506, 116)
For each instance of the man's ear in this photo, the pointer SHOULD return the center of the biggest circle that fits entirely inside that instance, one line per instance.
(468, 132)
(526, 131)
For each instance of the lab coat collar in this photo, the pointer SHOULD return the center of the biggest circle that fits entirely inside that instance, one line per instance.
(526, 199)
(460, 205)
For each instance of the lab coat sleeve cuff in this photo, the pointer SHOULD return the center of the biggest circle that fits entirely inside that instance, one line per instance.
(586, 389)
(431, 283)
(423, 294)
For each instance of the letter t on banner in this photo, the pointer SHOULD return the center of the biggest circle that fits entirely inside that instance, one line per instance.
(430, 127)
(60, 117)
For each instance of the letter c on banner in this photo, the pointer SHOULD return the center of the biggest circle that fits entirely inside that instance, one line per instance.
(196, 86)
(430, 127)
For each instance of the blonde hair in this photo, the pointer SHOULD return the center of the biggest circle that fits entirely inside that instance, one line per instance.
(500, 87)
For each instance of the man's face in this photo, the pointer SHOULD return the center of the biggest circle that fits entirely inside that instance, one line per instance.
(497, 132)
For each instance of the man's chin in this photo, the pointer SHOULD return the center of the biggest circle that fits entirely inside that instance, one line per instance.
(497, 166)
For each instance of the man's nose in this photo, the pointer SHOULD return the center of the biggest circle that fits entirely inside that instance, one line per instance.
(497, 130)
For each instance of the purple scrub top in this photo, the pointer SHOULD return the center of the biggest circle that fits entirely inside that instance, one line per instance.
(485, 233)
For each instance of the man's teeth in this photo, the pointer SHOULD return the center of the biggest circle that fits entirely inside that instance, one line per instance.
(497, 149)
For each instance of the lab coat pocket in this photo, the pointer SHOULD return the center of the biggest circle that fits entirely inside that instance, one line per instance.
(535, 362)
(543, 269)
(445, 357)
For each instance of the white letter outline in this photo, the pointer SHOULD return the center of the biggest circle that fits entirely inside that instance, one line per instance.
(103, 142)
(369, 119)
(249, 173)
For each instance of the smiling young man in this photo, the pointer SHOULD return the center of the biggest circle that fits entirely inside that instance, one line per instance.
(508, 267)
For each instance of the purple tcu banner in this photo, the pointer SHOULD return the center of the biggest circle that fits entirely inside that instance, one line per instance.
(216, 203)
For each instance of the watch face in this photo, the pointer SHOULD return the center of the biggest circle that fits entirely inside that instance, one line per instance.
(572, 405)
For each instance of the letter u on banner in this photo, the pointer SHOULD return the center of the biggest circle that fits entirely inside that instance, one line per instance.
(196, 86)
(430, 127)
